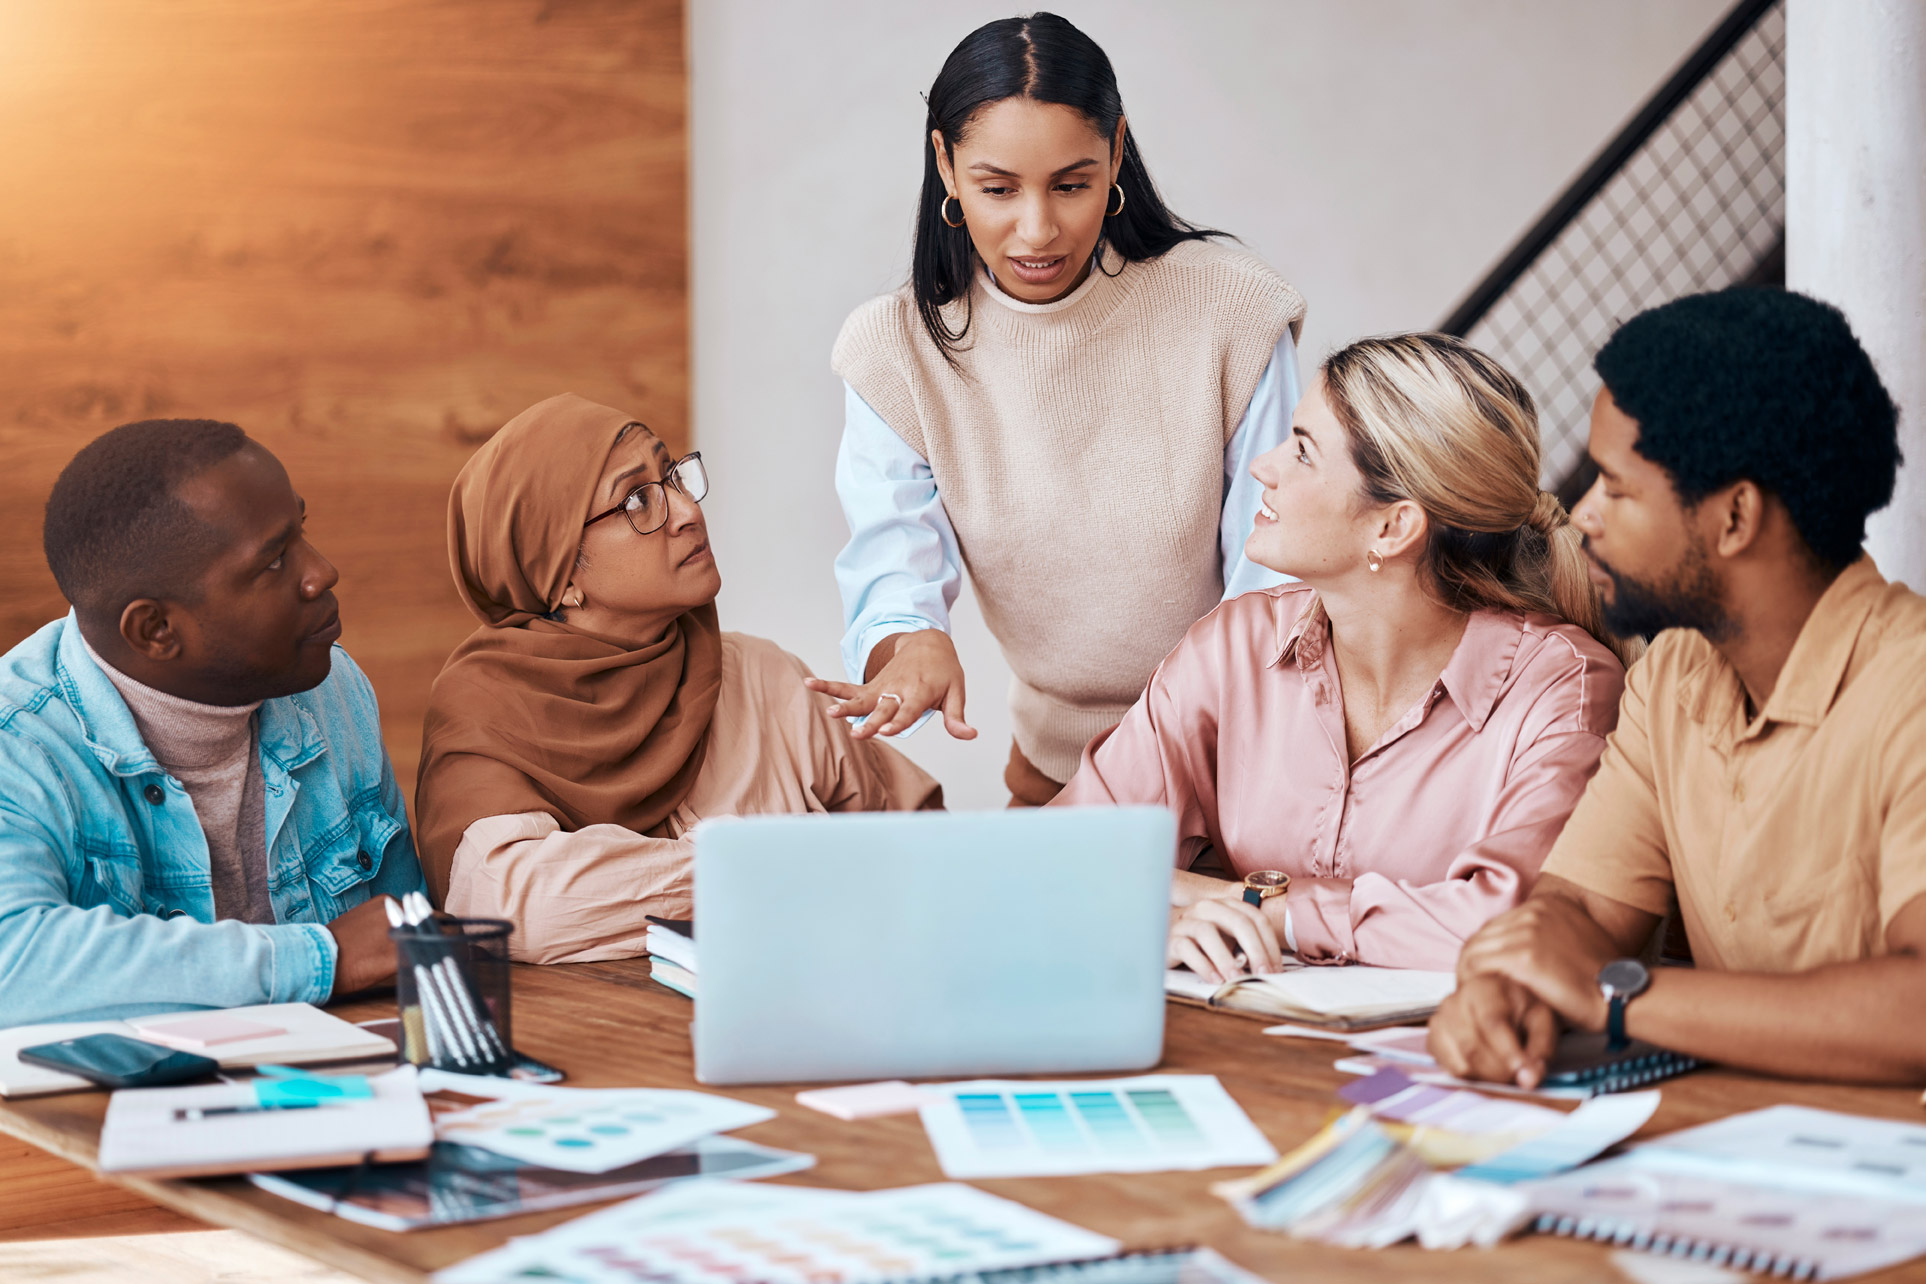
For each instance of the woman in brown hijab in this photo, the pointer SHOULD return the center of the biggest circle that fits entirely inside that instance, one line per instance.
(599, 712)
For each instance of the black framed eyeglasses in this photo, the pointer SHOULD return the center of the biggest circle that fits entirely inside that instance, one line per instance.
(647, 506)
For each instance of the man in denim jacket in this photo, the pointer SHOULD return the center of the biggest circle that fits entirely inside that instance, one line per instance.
(257, 876)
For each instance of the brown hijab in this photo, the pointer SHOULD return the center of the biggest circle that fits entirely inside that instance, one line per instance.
(530, 714)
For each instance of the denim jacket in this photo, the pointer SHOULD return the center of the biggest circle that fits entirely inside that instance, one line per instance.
(106, 900)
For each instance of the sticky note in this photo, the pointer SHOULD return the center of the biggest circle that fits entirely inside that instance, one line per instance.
(867, 1100)
(296, 1091)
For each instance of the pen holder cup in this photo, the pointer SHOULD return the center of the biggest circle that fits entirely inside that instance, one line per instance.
(451, 983)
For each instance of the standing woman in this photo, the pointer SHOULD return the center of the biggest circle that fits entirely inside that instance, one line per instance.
(1066, 398)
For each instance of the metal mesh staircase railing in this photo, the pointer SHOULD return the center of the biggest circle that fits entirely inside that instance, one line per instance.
(1689, 196)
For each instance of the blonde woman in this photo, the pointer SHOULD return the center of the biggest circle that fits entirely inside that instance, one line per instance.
(1383, 752)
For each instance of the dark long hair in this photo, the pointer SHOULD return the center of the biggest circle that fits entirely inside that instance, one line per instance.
(1042, 57)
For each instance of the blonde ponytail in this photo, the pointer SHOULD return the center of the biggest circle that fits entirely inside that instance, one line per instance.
(1433, 420)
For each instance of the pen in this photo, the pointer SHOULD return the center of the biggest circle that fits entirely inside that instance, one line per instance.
(189, 1114)
(477, 1029)
(471, 1035)
(434, 1023)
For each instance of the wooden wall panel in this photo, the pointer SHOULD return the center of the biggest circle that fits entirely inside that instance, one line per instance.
(368, 231)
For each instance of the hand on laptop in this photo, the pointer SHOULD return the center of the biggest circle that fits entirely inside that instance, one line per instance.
(1216, 938)
(909, 674)
(364, 955)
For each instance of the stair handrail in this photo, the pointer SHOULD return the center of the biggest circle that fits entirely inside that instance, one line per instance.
(1611, 158)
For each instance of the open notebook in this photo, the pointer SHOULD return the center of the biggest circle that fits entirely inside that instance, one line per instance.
(1352, 997)
(297, 1034)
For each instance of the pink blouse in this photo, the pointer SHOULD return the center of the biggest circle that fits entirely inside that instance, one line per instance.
(1395, 858)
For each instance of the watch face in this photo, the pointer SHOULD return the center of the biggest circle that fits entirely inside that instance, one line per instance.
(1624, 976)
(1266, 878)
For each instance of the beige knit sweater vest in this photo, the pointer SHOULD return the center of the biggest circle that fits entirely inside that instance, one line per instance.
(1079, 450)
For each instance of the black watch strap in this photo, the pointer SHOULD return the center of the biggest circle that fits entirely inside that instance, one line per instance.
(1615, 1040)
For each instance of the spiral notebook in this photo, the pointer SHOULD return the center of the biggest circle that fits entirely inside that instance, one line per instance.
(1636, 1203)
(1789, 1191)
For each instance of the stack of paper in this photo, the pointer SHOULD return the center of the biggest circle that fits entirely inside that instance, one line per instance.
(1336, 998)
(294, 1034)
(725, 1232)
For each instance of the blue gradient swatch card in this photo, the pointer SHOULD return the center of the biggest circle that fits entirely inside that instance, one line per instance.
(1009, 1128)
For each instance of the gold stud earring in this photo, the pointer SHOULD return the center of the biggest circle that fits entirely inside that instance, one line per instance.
(1374, 560)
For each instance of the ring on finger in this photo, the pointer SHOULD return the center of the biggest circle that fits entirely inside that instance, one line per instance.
(890, 695)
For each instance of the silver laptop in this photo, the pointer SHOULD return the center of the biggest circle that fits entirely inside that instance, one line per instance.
(924, 944)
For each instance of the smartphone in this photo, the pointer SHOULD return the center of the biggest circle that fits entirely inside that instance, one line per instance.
(116, 1061)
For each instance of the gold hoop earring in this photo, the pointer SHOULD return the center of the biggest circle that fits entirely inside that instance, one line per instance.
(943, 209)
(572, 598)
(1374, 560)
(1121, 198)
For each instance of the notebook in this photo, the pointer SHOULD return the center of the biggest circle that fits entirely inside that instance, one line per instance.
(1790, 1190)
(672, 954)
(1800, 1234)
(458, 1183)
(302, 1035)
(161, 1132)
(1352, 997)
(672, 939)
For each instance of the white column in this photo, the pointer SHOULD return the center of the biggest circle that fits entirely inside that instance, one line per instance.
(1856, 215)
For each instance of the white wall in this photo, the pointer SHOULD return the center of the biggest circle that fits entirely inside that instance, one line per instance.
(1380, 153)
(1856, 216)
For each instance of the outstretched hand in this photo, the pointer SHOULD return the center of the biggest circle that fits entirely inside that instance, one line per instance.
(909, 674)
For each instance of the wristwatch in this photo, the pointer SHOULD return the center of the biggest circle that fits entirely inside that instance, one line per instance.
(1261, 885)
(1621, 981)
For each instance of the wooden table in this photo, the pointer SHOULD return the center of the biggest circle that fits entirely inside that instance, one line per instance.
(608, 1025)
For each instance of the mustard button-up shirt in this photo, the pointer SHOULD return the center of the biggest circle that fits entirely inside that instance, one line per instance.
(1790, 837)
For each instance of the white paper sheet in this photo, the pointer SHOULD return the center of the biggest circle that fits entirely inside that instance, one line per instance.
(584, 1130)
(1151, 1123)
(721, 1232)
(1805, 1148)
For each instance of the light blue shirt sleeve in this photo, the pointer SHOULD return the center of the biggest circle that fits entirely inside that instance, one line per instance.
(62, 962)
(1267, 422)
(901, 569)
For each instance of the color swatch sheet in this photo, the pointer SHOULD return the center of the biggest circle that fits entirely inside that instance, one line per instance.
(1153, 1123)
(1805, 1148)
(583, 1130)
(722, 1232)
(1391, 1094)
